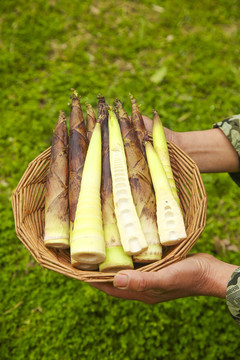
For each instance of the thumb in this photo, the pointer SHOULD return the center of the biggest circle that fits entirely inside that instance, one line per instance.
(136, 280)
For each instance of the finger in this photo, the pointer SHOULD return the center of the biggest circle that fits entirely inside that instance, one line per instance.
(103, 286)
(136, 280)
(110, 290)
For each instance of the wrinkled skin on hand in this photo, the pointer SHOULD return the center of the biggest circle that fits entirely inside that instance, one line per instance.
(198, 274)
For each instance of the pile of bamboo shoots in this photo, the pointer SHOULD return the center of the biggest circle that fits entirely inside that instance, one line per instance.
(110, 193)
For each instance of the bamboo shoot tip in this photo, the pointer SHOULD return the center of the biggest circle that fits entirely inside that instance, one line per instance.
(100, 98)
(89, 106)
(74, 94)
(117, 103)
(61, 117)
(155, 113)
(133, 101)
(109, 108)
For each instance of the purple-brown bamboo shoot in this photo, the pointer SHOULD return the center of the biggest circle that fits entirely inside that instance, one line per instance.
(56, 190)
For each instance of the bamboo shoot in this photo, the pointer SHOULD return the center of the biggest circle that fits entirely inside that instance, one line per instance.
(116, 258)
(87, 241)
(141, 188)
(90, 121)
(169, 217)
(56, 193)
(161, 147)
(132, 237)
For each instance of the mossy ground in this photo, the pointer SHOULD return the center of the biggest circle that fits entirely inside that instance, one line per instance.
(179, 57)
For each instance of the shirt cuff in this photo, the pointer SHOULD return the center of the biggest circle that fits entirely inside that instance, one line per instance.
(233, 296)
(231, 128)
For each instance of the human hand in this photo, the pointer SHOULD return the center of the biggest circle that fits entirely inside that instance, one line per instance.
(198, 274)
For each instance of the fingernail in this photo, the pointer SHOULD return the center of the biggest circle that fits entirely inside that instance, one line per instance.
(121, 281)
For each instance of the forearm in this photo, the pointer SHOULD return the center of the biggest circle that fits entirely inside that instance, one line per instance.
(216, 277)
(210, 149)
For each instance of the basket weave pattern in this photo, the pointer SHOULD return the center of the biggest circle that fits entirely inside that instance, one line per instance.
(28, 209)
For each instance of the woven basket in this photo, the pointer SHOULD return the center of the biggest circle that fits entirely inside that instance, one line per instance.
(28, 209)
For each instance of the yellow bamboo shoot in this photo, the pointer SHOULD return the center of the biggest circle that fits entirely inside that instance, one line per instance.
(116, 258)
(160, 145)
(169, 217)
(87, 240)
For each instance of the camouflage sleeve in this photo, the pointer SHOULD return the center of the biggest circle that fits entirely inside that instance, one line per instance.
(231, 128)
(233, 295)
